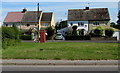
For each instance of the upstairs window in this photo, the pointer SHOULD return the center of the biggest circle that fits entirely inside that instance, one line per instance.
(81, 24)
(71, 24)
(45, 24)
(96, 23)
(105, 23)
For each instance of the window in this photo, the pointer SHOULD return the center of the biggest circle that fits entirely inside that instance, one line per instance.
(27, 25)
(85, 25)
(105, 23)
(96, 23)
(45, 24)
(81, 24)
(71, 24)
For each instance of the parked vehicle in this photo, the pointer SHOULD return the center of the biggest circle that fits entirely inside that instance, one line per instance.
(59, 36)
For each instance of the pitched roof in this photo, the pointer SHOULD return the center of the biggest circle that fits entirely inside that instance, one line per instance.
(47, 16)
(90, 14)
(14, 17)
(31, 16)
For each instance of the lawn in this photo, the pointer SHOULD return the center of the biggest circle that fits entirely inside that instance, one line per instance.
(62, 51)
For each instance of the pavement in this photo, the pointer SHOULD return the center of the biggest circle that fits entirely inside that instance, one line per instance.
(95, 41)
(57, 62)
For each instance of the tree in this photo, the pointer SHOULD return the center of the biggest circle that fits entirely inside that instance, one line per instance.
(118, 18)
(60, 25)
(98, 31)
(109, 32)
(74, 32)
(112, 24)
(50, 32)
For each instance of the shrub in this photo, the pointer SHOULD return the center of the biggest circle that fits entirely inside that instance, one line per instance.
(109, 32)
(86, 37)
(98, 31)
(10, 36)
(9, 42)
(50, 32)
(26, 37)
(10, 32)
(74, 32)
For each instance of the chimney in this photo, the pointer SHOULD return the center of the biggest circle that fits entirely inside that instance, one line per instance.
(87, 8)
(24, 10)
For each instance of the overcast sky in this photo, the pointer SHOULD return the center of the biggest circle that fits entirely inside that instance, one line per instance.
(60, 9)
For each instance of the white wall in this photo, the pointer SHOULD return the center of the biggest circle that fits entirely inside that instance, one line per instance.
(117, 34)
(79, 27)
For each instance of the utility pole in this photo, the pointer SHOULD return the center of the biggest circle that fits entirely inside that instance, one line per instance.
(38, 17)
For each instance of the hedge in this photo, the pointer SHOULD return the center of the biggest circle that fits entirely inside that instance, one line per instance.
(26, 37)
(10, 36)
(86, 37)
(109, 32)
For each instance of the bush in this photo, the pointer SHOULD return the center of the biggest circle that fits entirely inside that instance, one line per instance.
(10, 32)
(9, 42)
(26, 37)
(86, 37)
(98, 32)
(10, 36)
(74, 32)
(50, 32)
(109, 32)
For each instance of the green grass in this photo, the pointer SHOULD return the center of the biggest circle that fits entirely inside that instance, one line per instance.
(62, 51)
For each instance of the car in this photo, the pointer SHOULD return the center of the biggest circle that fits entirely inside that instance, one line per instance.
(59, 36)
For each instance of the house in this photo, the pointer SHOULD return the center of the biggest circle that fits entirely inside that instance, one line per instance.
(26, 20)
(89, 19)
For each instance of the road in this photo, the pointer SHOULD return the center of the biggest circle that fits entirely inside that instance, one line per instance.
(59, 68)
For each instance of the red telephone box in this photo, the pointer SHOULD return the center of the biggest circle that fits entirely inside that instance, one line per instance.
(42, 36)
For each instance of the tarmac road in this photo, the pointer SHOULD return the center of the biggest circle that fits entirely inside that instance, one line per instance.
(59, 68)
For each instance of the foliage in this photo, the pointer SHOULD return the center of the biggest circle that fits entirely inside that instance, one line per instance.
(26, 37)
(109, 32)
(50, 32)
(74, 32)
(9, 42)
(61, 25)
(98, 31)
(114, 25)
(86, 37)
(81, 32)
(10, 36)
(10, 32)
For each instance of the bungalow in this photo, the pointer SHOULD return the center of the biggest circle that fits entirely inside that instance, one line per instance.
(26, 20)
(89, 19)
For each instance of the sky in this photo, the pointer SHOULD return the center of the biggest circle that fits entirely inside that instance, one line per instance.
(60, 9)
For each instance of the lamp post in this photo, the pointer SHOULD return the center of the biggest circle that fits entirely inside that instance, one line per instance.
(38, 17)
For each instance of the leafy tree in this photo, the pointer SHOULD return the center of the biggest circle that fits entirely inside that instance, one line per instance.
(98, 31)
(61, 25)
(50, 32)
(74, 32)
(109, 32)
